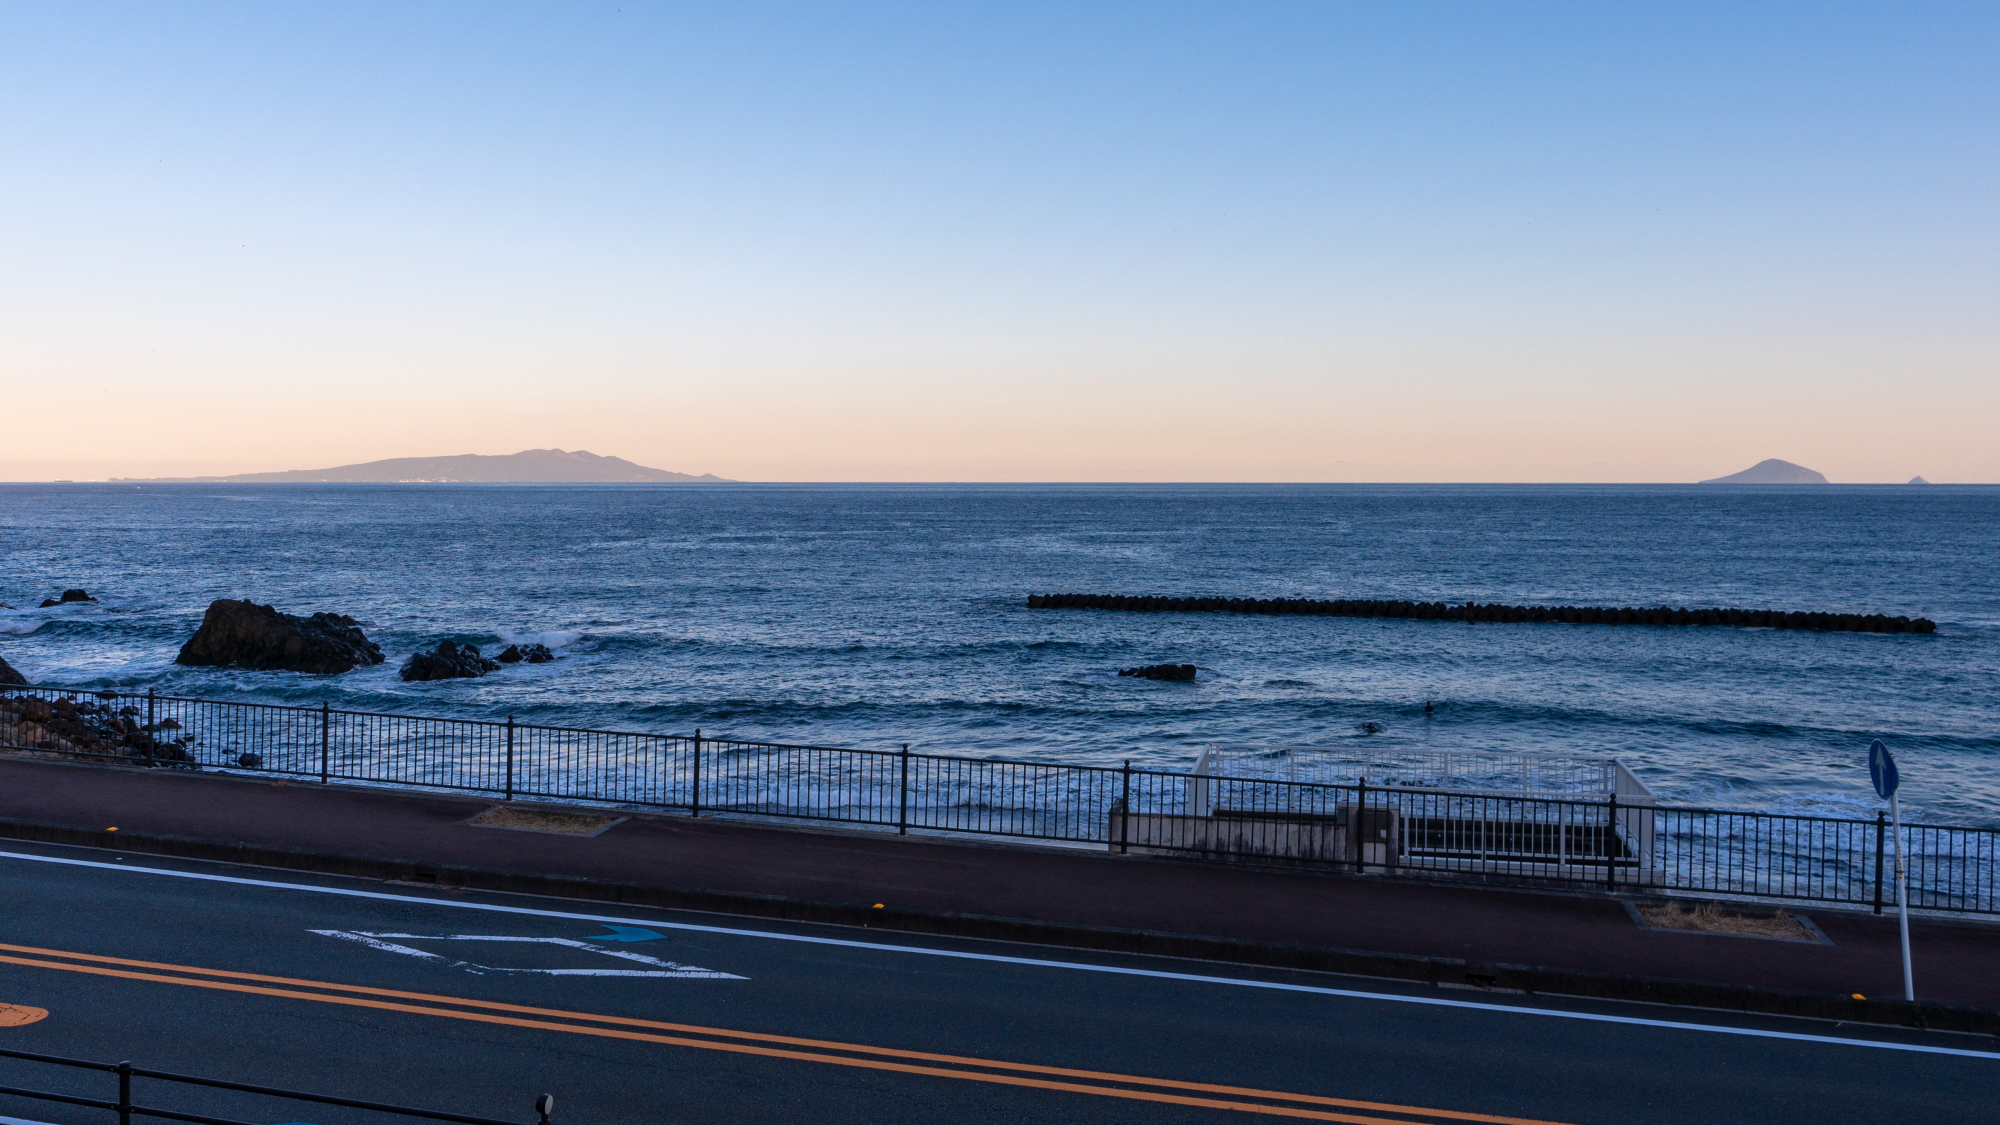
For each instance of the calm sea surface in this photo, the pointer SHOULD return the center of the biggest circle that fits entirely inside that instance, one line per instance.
(873, 615)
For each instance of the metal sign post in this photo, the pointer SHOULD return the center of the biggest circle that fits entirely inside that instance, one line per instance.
(1882, 771)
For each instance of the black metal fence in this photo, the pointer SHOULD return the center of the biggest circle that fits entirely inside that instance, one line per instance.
(126, 1107)
(1614, 843)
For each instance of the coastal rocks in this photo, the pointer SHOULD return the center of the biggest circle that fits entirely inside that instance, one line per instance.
(243, 634)
(9, 676)
(450, 661)
(1173, 673)
(90, 728)
(68, 596)
(533, 654)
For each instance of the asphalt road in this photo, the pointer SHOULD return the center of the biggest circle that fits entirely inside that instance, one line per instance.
(476, 1003)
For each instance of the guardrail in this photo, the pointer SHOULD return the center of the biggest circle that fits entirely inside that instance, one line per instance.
(1617, 842)
(126, 1108)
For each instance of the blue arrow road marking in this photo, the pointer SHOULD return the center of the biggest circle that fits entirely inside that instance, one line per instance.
(628, 933)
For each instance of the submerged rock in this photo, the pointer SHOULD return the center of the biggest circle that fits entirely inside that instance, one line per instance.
(448, 662)
(533, 654)
(1178, 673)
(9, 676)
(67, 597)
(243, 634)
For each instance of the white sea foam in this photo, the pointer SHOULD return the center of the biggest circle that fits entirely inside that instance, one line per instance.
(554, 638)
(21, 622)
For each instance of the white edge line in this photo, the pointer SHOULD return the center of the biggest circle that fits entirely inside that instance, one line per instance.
(1433, 1001)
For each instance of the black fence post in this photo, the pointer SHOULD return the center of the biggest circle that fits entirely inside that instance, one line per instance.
(510, 757)
(1125, 812)
(150, 720)
(1881, 827)
(1611, 841)
(903, 804)
(125, 1093)
(325, 741)
(694, 797)
(1361, 826)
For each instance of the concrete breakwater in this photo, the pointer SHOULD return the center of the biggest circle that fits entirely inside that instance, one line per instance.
(1473, 611)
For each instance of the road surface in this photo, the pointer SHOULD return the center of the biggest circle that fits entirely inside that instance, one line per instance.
(476, 1003)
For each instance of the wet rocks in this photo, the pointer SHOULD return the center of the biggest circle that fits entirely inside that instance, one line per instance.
(533, 654)
(1175, 673)
(87, 727)
(449, 661)
(68, 596)
(243, 634)
(9, 676)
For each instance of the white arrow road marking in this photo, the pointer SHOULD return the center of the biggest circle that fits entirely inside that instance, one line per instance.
(661, 969)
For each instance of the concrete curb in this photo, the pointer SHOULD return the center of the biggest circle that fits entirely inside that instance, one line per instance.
(1439, 971)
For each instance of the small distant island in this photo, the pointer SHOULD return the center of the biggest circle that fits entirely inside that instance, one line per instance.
(530, 466)
(1772, 471)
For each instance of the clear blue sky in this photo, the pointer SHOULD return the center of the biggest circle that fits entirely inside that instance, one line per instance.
(1147, 242)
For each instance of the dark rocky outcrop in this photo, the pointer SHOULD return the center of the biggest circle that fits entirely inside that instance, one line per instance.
(243, 634)
(9, 676)
(1473, 611)
(1176, 673)
(67, 597)
(533, 654)
(449, 661)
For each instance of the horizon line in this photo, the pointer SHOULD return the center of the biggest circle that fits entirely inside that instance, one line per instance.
(141, 482)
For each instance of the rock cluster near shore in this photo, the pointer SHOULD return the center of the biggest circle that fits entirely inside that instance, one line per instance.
(9, 676)
(96, 728)
(1472, 611)
(449, 661)
(453, 661)
(243, 634)
(68, 596)
(1174, 673)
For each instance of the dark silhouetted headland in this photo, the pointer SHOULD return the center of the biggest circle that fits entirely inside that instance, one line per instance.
(1772, 471)
(530, 466)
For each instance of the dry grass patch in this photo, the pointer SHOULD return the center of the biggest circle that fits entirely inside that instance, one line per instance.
(1711, 918)
(537, 820)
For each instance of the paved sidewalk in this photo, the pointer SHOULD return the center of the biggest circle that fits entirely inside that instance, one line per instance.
(1958, 964)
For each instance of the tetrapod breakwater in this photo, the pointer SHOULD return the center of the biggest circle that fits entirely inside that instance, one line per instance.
(1474, 611)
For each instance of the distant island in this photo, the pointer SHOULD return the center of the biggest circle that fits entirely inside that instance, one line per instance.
(530, 466)
(1772, 471)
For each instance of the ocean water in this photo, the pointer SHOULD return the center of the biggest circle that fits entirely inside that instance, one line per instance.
(877, 615)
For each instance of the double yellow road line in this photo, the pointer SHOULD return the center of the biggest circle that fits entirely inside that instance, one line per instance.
(1102, 1084)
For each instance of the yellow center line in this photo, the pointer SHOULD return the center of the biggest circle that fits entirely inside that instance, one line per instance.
(811, 1056)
